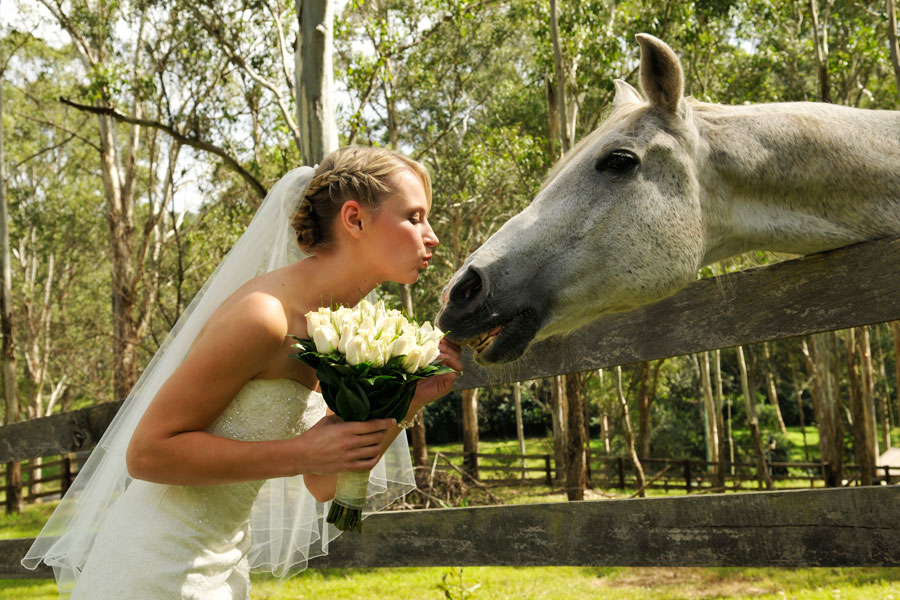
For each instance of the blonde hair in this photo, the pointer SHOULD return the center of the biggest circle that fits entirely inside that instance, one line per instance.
(352, 172)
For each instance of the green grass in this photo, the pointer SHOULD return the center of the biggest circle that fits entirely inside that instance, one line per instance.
(539, 583)
(26, 524)
(558, 583)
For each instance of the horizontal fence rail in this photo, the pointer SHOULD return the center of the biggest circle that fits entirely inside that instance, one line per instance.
(821, 528)
(843, 288)
(847, 287)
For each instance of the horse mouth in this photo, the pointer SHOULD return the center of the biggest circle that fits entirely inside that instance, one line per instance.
(505, 342)
(482, 342)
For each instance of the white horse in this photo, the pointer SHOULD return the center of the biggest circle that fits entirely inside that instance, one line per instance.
(663, 187)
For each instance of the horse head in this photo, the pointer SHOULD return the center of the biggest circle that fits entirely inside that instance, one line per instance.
(616, 225)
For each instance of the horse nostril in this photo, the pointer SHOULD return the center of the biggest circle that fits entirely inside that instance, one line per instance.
(468, 291)
(474, 287)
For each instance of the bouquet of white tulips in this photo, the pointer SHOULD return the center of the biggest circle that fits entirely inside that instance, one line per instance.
(368, 360)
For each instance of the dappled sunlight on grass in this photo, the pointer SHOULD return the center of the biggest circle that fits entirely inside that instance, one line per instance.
(563, 583)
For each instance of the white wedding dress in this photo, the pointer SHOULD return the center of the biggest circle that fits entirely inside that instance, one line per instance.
(191, 542)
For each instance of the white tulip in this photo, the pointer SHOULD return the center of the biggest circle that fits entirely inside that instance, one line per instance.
(403, 345)
(326, 338)
(340, 317)
(313, 320)
(379, 353)
(347, 333)
(430, 352)
(366, 327)
(357, 348)
(413, 360)
(365, 308)
(380, 310)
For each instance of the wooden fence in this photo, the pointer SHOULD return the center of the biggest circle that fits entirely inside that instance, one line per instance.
(849, 287)
(689, 475)
(56, 476)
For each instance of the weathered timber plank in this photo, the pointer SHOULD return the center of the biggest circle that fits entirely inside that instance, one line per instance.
(11, 553)
(851, 286)
(806, 528)
(847, 287)
(57, 434)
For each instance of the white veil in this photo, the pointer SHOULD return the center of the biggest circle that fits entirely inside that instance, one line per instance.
(288, 525)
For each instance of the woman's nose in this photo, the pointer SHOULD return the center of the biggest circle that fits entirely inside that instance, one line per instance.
(431, 238)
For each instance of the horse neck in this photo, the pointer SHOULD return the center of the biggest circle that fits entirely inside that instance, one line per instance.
(796, 177)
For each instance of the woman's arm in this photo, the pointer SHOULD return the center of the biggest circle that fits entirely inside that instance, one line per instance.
(170, 445)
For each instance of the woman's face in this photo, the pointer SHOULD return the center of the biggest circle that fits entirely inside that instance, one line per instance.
(400, 237)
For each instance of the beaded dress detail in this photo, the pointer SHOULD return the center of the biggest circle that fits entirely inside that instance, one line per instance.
(163, 541)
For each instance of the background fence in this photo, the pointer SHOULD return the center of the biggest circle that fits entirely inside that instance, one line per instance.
(843, 288)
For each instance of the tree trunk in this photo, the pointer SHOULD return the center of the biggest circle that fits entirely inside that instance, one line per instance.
(314, 77)
(559, 417)
(564, 138)
(798, 393)
(576, 479)
(629, 436)
(892, 37)
(645, 400)
(520, 424)
(770, 388)
(820, 39)
(604, 419)
(552, 117)
(895, 333)
(726, 446)
(417, 431)
(861, 446)
(753, 422)
(709, 403)
(470, 430)
(828, 419)
(14, 503)
(864, 343)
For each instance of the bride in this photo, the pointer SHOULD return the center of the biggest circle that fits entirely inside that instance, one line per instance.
(224, 456)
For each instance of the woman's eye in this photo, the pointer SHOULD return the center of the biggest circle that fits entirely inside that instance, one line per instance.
(618, 162)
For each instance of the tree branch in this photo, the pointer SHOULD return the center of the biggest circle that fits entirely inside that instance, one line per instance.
(185, 140)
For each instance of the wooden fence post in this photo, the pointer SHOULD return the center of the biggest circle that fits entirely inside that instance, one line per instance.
(66, 474)
(549, 468)
(687, 476)
(621, 463)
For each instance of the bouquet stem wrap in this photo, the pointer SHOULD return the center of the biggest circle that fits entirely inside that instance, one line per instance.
(349, 499)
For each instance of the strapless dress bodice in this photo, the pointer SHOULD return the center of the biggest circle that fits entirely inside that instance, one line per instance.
(169, 541)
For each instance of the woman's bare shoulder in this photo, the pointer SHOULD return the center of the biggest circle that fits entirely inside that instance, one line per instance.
(252, 311)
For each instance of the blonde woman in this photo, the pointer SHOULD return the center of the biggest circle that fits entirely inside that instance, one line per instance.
(224, 458)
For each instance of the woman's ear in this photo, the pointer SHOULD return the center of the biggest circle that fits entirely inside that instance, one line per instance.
(352, 218)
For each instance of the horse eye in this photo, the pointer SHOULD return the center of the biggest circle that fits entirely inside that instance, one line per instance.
(618, 162)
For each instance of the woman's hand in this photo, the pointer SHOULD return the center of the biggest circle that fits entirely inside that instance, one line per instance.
(430, 389)
(332, 445)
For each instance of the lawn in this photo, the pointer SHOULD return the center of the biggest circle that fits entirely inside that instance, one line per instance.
(556, 583)
(539, 583)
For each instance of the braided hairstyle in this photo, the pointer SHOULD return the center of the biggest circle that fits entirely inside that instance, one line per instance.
(352, 172)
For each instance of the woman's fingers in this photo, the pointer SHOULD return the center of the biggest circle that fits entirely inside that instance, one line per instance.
(369, 439)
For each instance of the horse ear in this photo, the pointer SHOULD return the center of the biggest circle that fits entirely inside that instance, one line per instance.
(661, 76)
(626, 94)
